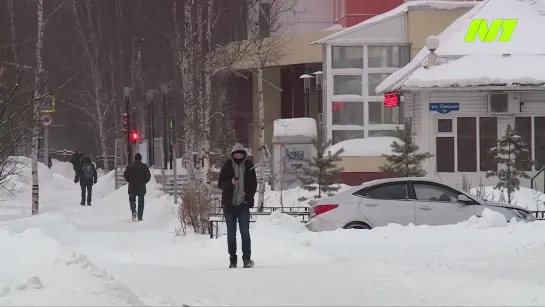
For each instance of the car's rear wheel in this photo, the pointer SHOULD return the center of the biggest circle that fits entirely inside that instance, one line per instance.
(357, 225)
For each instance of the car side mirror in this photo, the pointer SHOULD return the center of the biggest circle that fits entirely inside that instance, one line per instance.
(463, 198)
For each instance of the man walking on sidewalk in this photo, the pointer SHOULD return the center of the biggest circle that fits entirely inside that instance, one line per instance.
(238, 183)
(137, 175)
(86, 176)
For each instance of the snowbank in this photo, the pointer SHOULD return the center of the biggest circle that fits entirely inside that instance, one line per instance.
(38, 270)
(292, 127)
(526, 198)
(368, 147)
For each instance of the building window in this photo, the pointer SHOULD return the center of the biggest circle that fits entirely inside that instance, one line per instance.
(523, 126)
(347, 85)
(388, 56)
(488, 139)
(347, 57)
(444, 125)
(378, 114)
(539, 142)
(343, 135)
(378, 133)
(373, 81)
(466, 144)
(347, 113)
(444, 148)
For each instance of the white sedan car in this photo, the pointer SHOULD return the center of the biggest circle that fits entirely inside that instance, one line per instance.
(419, 201)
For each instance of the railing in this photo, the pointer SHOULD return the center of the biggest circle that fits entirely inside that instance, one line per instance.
(533, 185)
(214, 219)
(540, 215)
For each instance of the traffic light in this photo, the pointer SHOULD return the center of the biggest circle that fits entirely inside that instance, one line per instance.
(135, 136)
(125, 121)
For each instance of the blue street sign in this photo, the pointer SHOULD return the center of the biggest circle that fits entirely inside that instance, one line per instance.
(444, 108)
(47, 104)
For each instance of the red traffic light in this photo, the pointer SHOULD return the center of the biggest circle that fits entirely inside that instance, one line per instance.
(134, 136)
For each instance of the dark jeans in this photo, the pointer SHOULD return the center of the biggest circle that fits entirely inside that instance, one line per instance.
(132, 202)
(240, 213)
(89, 189)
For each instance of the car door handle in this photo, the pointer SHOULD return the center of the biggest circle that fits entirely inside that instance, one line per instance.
(371, 205)
(425, 208)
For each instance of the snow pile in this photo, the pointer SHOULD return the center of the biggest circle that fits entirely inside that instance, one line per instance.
(20, 182)
(41, 271)
(292, 127)
(489, 219)
(62, 168)
(475, 70)
(526, 198)
(367, 147)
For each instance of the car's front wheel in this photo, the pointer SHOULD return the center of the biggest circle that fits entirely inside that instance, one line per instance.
(357, 225)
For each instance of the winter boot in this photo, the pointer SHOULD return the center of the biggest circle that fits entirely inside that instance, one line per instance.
(134, 217)
(232, 263)
(82, 203)
(88, 204)
(248, 263)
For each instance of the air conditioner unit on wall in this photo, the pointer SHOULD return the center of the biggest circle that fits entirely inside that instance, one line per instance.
(503, 102)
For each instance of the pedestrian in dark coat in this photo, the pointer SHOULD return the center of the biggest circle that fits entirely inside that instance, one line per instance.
(76, 160)
(137, 175)
(86, 176)
(238, 183)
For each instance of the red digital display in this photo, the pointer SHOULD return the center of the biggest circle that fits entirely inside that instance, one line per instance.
(391, 100)
(337, 106)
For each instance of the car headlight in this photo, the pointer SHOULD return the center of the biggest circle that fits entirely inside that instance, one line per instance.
(523, 214)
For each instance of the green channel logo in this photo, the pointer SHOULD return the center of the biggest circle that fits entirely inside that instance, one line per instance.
(479, 27)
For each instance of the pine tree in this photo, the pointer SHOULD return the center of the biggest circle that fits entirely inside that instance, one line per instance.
(405, 160)
(321, 173)
(511, 152)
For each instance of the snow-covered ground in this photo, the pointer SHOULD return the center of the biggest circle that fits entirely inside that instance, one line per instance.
(73, 255)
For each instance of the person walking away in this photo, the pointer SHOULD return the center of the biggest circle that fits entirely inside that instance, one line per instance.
(76, 160)
(238, 183)
(137, 175)
(86, 176)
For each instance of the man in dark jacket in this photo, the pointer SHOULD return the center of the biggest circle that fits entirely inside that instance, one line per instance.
(137, 175)
(238, 183)
(86, 176)
(76, 160)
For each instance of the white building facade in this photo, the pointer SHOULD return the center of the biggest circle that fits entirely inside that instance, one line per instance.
(356, 60)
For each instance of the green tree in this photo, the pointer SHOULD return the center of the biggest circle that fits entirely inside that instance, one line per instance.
(405, 161)
(512, 153)
(321, 173)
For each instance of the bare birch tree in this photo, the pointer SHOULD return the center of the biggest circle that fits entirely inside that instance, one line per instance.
(269, 21)
(93, 99)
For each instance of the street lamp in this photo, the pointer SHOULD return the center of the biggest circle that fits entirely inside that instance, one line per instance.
(306, 84)
(151, 127)
(164, 93)
(127, 93)
(319, 75)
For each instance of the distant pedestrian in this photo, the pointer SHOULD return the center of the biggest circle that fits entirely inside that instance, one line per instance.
(86, 176)
(238, 183)
(76, 160)
(137, 175)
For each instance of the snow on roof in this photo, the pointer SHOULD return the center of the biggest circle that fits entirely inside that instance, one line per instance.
(475, 70)
(293, 127)
(368, 147)
(400, 10)
(530, 15)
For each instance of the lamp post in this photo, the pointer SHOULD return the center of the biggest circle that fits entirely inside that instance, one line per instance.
(306, 84)
(319, 77)
(164, 96)
(150, 128)
(127, 93)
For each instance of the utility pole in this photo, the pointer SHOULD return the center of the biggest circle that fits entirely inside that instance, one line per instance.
(127, 92)
(165, 153)
(134, 129)
(171, 125)
(150, 125)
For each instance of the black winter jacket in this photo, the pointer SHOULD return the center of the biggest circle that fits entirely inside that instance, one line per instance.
(224, 183)
(80, 176)
(137, 175)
